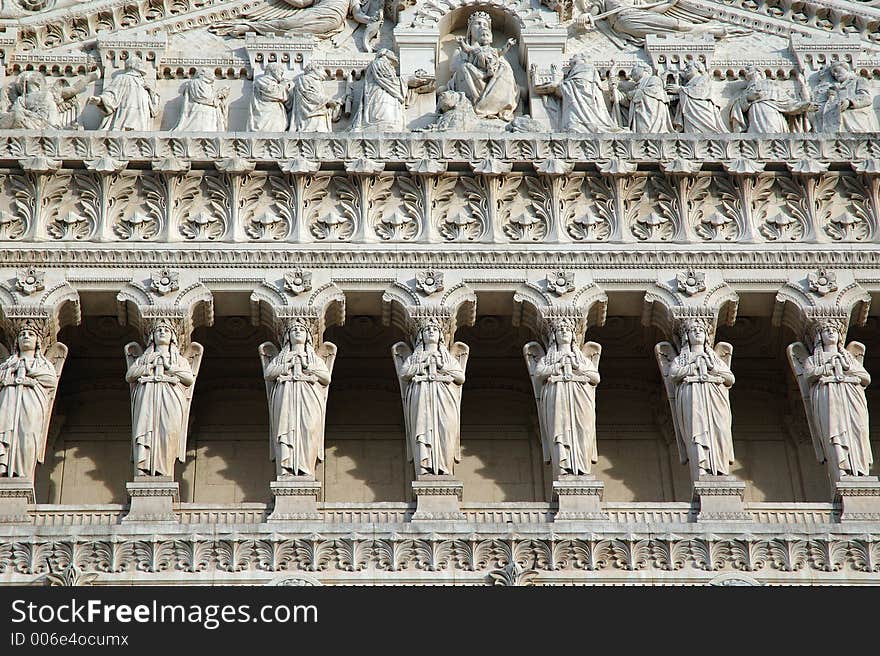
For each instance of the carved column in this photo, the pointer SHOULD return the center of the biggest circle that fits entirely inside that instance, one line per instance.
(565, 371)
(431, 369)
(35, 305)
(165, 307)
(297, 371)
(687, 307)
(831, 379)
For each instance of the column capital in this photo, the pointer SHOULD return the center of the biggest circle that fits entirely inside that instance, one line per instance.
(540, 304)
(689, 294)
(408, 304)
(298, 295)
(821, 295)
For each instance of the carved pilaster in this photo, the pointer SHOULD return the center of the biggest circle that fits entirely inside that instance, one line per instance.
(831, 378)
(431, 369)
(297, 370)
(35, 305)
(686, 307)
(565, 372)
(165, 308)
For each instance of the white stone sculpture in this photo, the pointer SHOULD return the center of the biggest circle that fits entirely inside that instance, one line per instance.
(28, 382)
(564, 378)
(454, 112)
(162, 380)
(481, 72)
(323, 18)
(584, 107)
(697, 111)
(32, 102)
(204, 104)
(270, 101)
(128, 101)
(633, 23)
(312, 108)
(832, 381)
(431, 375)
(648, 102)
(381, 108)
(846, 102)
(297, 378)
(763, 106)
(697, 377)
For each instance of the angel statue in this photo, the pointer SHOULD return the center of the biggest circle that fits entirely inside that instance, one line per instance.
(431, 376)
(323, 18)
(162, 381)
(564, 379)
(296, 385)
(628, 21)
(698, 379)
(28, 382)
(832, 381)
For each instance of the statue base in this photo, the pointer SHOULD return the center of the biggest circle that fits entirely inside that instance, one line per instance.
(437, 498)
(719, 498)
(295, 499)
(15, 495)
(859, 498)
(152, 499)
(579, 498)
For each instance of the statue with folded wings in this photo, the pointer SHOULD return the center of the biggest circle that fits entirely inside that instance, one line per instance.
(297, 379)
(162, 380)
(28, 382)
(564, 378)
(431, 375)
(698, 379)
(832, 381)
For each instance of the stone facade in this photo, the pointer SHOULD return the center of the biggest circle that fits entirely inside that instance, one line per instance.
(522, 293)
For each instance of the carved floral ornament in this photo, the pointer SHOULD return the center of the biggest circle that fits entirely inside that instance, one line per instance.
(29, 281)
(298, 282)
(560, 282)
(691, 282)
(164, 282)
(429, 282)
(822, 281)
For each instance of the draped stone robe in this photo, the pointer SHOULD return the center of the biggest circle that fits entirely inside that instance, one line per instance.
(483, 75)
(569, 412)
(583, 103)
(297, 410)
(381, 107)
(310, 112)
(762, 108)
(703, 412)
(268, 108)
(840, 411)
(130, 105)
(432, 409)
(859, 116)
(25, 384)
(697, 112)
(203, 109)
(158, 412)
(649, 107)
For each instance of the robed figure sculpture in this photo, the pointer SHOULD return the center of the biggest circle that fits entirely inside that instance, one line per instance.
(431, 375)
(297, 378)
(564, 379)
(698, 379)
(832, 382)
(162, 381)
(28, 381)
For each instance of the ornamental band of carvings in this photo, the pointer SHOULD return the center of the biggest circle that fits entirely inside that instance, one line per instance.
(239, 204)
(188, 555)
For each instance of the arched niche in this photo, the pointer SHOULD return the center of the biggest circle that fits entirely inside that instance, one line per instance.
(425, 37)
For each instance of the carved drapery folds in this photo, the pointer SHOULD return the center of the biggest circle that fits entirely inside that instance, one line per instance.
(35, 305)
(430, 366)
(687, 307)
(162, 372)
(563, 367)
(830, 374)
(297, 310)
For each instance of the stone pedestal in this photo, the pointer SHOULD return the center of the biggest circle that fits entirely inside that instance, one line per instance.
(719, 498)
(15, 495)
(579, 498)
(152, 499)
(295, 499)
(437, 497)
(859, 498)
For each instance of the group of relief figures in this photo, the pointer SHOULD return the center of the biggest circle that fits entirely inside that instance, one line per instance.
(481, 93)
(564, 372)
